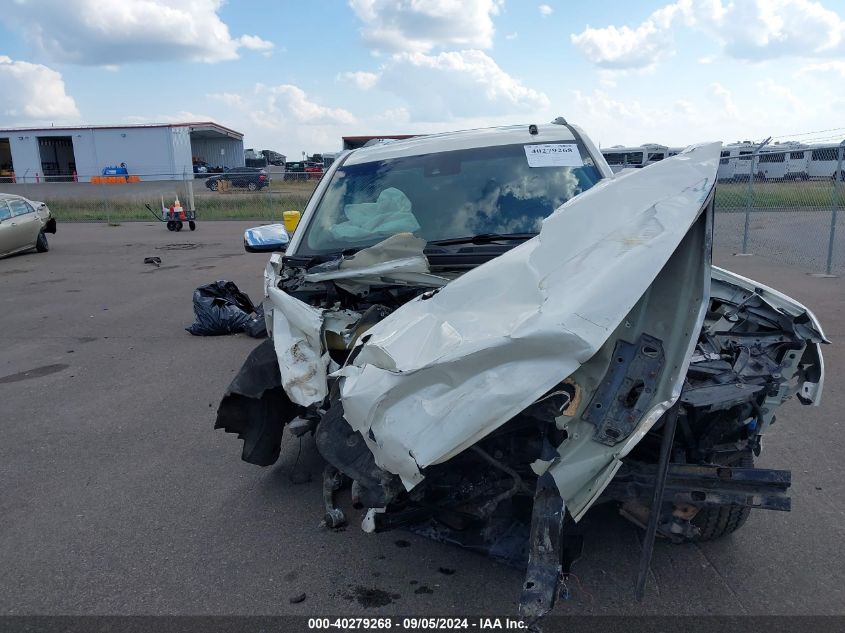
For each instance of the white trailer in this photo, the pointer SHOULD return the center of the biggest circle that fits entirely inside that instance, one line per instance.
(823, 161)
(620, 158)
(785, 161)
(735, 162)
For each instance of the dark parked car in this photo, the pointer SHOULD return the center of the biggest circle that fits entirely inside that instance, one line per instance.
(300, 170)
(249, 177)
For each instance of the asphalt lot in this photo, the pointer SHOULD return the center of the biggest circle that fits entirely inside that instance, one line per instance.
(119, 498)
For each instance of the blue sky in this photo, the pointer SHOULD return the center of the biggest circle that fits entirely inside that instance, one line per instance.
(296, 76)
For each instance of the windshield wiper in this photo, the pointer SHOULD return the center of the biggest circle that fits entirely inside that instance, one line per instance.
(307, 261)
(483, 238)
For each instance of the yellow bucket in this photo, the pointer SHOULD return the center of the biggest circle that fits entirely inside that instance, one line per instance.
(291, 219)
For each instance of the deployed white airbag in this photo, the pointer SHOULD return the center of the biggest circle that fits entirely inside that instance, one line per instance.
(390, 213)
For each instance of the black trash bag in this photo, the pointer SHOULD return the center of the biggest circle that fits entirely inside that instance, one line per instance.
(220, 308)
(256, 327)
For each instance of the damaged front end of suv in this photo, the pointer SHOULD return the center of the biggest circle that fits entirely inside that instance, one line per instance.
(488, 333)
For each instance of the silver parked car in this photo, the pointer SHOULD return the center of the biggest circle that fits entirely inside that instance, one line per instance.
(24, 225)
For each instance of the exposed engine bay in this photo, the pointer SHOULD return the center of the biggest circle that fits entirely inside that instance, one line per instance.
(491, 404)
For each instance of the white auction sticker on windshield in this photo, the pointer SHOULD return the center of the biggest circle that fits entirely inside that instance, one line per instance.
(553, 155)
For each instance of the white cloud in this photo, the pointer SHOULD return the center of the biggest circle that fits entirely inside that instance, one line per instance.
(512, 36)
(626, 47)
(255, 43)
(767, 29)
(269, 106)
(828, 69)
(285, 118)
(291, 101)
(182, 116)
(723, 97)
(746, 29)
(361, 79)
(545, 10)
(468, 84)
(629, 122)
(417, 26)
(769, 87)
(394, 116)
(96, 32)
(682, 106)
(718, 111)
(32, 94)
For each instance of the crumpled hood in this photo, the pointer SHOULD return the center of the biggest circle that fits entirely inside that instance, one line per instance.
(451, 366)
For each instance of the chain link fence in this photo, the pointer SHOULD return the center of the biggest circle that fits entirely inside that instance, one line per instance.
(249, 194)
(783, 204)
(777, 202)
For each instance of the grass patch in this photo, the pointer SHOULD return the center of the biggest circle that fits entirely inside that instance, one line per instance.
(779, 195)
(268, 205)
(236, 206)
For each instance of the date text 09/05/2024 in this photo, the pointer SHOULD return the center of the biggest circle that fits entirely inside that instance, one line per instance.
(416, 623)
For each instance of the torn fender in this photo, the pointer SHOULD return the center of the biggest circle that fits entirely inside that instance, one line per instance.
(297, 328)
(449, 367)
(297, 339)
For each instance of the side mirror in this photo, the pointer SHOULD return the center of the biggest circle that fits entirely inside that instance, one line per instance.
(291, 220)
(266, 239)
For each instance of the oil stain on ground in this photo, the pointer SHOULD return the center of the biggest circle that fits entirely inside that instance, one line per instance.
(180, 246)
(152, 270)
(58, 280)
(37, 372)
(369, 597)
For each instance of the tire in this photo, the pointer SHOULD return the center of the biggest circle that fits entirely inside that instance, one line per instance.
(251, 186)
(178, 226)
(212, 184)
(171, 226)
(41, 244)
(718, 521)
(192, 225)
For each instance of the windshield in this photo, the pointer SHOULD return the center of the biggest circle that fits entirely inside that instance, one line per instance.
(446, 195)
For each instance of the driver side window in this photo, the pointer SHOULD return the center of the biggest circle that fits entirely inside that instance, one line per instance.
(5, 213)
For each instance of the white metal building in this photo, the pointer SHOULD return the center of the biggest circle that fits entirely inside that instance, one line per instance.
(150, 152)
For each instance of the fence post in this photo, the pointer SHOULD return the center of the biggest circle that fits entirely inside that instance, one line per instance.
(750, 199)
(188, 181)
(837, 176)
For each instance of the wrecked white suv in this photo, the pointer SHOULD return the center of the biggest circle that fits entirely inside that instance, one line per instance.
(488, 333)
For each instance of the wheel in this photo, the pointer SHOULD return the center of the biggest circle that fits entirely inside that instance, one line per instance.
(212, 184)
(192, 225)
(171, 226)
(178, 226)
(251, 186)
(41, 244)
(718, 521)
